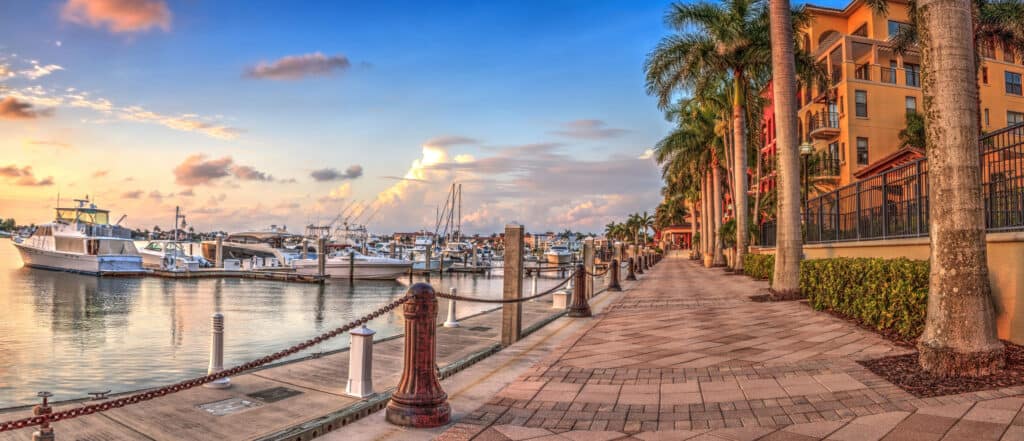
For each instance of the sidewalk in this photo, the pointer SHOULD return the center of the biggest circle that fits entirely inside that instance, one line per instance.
(684, 354)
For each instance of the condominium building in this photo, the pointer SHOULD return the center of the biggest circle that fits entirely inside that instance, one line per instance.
(855, 119)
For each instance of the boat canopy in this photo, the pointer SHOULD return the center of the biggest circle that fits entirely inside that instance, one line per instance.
(91, 216)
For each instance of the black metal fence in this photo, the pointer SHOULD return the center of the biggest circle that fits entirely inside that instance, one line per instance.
(894, 204)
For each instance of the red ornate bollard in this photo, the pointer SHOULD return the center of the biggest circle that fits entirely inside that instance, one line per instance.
(419, 401)
(613, 276)
(631, 268)
(45, 432)
(579, 306)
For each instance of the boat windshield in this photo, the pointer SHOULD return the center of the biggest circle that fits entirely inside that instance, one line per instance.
(154, 246)
(107, 247)
(90, 216)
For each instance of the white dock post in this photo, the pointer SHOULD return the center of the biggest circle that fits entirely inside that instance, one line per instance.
(533, 286)
(220, 251)
(360, 363)
(217, 353)
(451, 321)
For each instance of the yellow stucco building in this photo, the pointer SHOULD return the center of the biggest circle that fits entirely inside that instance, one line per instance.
(854, 123)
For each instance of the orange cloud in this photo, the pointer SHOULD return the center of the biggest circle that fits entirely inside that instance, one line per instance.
(119, 16)
(11, 108)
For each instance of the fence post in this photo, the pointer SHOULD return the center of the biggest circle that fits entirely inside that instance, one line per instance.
(580, 307)
(512, 313)
(419, 401)
(45, 432)
(588, 262)
(613, 276)
(858, 210)
(451, 321)
(217, 353)
(360, 363)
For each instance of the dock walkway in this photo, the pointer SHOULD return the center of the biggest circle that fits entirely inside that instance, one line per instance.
(685, 354)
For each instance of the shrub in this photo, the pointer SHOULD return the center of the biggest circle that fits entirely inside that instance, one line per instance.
(759, 266)
(728, 233)
(890, 295)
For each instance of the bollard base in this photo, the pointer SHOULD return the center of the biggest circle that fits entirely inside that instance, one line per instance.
(222, 383)
(615, 288)
(418, 416)
(579, 312)
(43, 435)
(451, 324)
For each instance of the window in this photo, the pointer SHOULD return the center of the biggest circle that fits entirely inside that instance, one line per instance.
(913, 74)
(861, 103)
(911, 104)
(1013, 83)
(862, 31)
(984, 75)
(862, 151)
(1014, 118)
(895, 26)
(986, 118)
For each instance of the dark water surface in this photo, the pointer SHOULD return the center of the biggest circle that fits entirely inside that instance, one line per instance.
(71, 334)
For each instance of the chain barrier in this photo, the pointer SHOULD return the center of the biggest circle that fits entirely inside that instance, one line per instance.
(600, 274)
(198, 381)
(521, 299)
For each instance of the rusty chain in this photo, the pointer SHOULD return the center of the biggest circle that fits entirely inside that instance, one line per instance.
(198, 381)
(521, 299)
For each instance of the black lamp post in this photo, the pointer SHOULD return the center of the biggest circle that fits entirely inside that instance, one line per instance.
(806, 149)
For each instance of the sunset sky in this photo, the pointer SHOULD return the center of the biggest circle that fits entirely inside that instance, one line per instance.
(249, 113)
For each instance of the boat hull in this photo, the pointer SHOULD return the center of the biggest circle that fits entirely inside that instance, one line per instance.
(361, 271)
(558, 259)
(80, 263)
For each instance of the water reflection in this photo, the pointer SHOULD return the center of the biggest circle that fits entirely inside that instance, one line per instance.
(70, 334)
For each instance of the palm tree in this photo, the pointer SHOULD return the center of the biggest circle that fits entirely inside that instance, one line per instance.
(645, 221)
(959, 337)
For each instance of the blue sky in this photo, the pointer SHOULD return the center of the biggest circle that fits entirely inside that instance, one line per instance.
(531, 104)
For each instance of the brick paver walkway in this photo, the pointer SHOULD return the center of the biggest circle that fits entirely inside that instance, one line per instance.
(686, 355)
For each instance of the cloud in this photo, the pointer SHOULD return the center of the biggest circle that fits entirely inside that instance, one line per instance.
(450, 141)
(187, 192)
(100, 173)
(118, 16)
(5, 72)
(341, 192)
(11, 108)
(647, 154)
(332, 174)
(247, 173)
(294, 67)
(39, 71)
(399, 178)
(24, 176)
(155, 194)
(197, 170)
(132, 194)
(588, 129)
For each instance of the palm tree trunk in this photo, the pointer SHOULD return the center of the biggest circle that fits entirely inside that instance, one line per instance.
(693, 224)
(757, 194)
(739, 120)
(959, 337)
(709, 223)
(716, 198)
(788, 243)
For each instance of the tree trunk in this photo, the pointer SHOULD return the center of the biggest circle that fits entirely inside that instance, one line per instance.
(788, 243)
(693, 225)
(739, 202)
(959, 337)
(709, 223)
(716, 199)
(757, 194)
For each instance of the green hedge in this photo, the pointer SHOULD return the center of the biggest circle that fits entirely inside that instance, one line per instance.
(890, 295)
(759, 266)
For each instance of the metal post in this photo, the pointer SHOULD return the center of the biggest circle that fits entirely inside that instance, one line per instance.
(440, 265)
(217, 353)
(613, 276)
(419, 401)
(885, 206)
(451, 321)
(858, 210)
(588, 264)
(630, 268)
(360, 363)
(219, 256)
(45, 432)
(580, 307)
(512, 313)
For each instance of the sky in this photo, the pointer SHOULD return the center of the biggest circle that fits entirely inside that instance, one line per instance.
(248, 114)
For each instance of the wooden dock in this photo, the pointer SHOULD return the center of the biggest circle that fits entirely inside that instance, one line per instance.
(206, 273)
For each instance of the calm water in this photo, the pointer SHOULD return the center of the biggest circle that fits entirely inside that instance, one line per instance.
(71, 334)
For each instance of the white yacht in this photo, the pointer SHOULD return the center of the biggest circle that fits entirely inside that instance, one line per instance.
(273, 248)
(348, 262)
(558, 255)
(173, 255)
(81, 239)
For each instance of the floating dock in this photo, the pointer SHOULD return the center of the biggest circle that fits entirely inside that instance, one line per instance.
(206, 273)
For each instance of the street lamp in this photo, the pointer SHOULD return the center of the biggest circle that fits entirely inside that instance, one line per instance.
(806, 149)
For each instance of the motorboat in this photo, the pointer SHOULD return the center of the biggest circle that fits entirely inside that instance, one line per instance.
(351, 263)
(275, 247)
(82, 240)
(173, 256)
(558, 255)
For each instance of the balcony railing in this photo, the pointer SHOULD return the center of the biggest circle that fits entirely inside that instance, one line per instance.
(886, 75)
(823, 124)
(894, 204)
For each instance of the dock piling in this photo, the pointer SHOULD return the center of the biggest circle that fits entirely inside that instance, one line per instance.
(419, 401)
(220, 251)
(512, 312)
(360, 363)
(588, 264)
(321, 256)
(217, 353)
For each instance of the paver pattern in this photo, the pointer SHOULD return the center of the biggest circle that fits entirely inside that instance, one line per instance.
(685, 354)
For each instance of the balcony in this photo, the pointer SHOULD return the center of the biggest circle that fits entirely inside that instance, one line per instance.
(823, 166)
(887, 74)
(823, 125)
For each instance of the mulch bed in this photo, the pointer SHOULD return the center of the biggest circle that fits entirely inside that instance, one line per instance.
(905, 372)
(772, 296)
